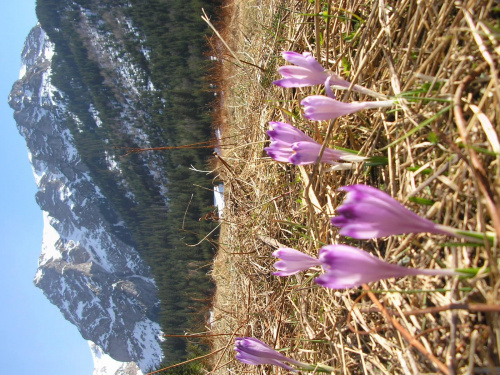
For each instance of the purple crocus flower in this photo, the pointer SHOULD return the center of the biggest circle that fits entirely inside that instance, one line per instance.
(286, 133)
(368, 213)
(289, 144)
(293, 261)
(305, 153)
(345, 266)
(306, 72)
(349, 267)
(254, 352)
(319, 107)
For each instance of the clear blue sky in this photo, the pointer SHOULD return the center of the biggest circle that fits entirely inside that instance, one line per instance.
(35, 338)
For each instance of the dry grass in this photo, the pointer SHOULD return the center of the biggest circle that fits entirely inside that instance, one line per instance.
(443, 49)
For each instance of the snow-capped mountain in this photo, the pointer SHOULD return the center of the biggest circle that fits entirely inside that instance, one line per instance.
(102, 84)
(87, 267)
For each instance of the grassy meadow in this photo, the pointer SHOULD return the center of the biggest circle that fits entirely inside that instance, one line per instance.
(441, 58)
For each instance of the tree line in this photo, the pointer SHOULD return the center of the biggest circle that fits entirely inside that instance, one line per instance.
(177, 112)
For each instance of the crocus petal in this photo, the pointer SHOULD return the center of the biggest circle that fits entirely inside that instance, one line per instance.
(370, 213)
(254, 360)
(305, 60)
(328, 88)
(305, 153)
(291, 71)
(257, 348)
(320, 108)
(335, 80)
(349, 267)
(279, 151)
(278, 155)
(281, 131)
(291, 145)
(307, 72)
(296, 82)
(292, 261)
(255, 352)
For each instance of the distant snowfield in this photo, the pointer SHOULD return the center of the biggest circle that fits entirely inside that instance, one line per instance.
(105, 365)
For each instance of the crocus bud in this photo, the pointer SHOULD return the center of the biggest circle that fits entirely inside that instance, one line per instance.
(306, 71)
(289, 144)
(349, 267)
(292, 261)
(319, 107)
(254, 352)
(368, 213)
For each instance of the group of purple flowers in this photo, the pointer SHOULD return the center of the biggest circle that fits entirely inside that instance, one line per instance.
(288, 143)
(305, 72)
(366, 212)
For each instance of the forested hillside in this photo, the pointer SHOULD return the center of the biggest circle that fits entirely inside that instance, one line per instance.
(161, 46)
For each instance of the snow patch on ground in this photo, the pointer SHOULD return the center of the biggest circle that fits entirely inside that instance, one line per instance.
(219, 199)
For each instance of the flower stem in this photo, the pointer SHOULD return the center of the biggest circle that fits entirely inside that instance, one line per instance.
(376, 160)
(490, 236)
(415, 291)
(434, 272)
(315, 368)
(471, 272)
(470, 235)
(362, 90)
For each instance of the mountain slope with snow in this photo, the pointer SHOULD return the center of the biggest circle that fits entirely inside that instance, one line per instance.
(104, 84)
(95, 277)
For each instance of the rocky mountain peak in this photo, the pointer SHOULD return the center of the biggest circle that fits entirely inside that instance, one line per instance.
(87, 268)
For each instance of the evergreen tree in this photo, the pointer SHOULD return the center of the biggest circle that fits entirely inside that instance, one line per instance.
(176, 113)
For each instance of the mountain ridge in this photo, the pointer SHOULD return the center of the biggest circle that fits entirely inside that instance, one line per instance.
(101, 81)
(85, 269)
